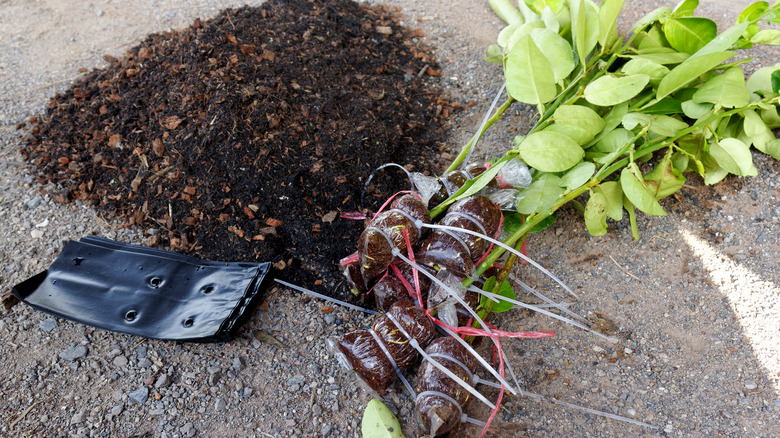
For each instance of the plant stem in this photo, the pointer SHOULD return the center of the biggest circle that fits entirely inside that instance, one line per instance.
(465, 149)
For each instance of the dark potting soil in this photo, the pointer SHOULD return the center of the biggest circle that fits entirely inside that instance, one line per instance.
(241, 138)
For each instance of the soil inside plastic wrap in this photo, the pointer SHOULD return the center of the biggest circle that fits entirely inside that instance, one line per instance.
(241, 138)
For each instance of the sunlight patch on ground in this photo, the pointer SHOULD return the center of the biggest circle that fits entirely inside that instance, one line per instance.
(754, 301)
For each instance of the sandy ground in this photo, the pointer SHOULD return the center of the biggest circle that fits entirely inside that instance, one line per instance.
(696, 300)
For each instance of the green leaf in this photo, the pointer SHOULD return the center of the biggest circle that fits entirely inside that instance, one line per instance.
(505, 291)
(578, 175)
(775, 81)
(612, 120)
(550, 151)
(695, 110)
(760, 82)
(557, 50)
(652, 38)
(494, 54)
(472, 186)
(608, 14)
(544, 223)
(733, 156)
(522, 31)
(529, 75)
(585, 27)
(713, 173)
(654, 70)
(759, 133)
(610, 90)
(638, 193)
(631, 217)
(551, 20)
(578, 122)
(722, 42)
(770, 37)
(664, 57)
(752, 12)
(688, 71)
(513, 222)
(540, 195)
(506, 33)
(596, 214)
(657, 124)
(613, 198)
(379, 422)
(685, 8)
(650, 18)
(506, 11)
(726, 90)
(771, 117)
(613, 141)
(664, 179)
(689, 34)
(668, 105)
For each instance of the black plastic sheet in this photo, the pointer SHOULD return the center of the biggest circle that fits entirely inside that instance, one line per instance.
(146, 291)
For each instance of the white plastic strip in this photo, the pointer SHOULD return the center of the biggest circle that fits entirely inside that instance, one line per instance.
(552, 303)
(480, 359)
(482, 126)
(508, 248)
(325, 297)
(392, 361)
(548, 313)
(588, 410)
(413, 342)
(397, 253)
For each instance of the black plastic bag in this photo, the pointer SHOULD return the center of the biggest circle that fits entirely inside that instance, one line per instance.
(146, 291)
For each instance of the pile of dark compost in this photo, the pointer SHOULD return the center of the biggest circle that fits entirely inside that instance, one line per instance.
(242, 137)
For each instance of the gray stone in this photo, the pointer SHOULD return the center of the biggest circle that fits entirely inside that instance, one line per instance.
(120, 361)
(162, 382)
(144, 363)
(751, 385)
(140, 395)
(34, 202)
(48, 324)
(73, 353)
(326, 429)
(116, 410)
(239, 363)
(188, 430)
(77, 418)
(220, 404)
(214, 378)
(295, 380)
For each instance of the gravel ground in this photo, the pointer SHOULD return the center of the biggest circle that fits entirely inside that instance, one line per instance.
(696, 301)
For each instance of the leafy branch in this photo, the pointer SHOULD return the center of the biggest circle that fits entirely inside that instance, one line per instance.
(607, 107)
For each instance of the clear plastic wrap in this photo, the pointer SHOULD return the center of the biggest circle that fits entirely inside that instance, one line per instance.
(375, 363)
(440, 401)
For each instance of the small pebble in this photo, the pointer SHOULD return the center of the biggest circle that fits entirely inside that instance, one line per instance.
(120, 361)
(48, 324)
(751, 385)
(77, 418)
(239, 363)
(139, 395)
(73, 353)
(220, 404)
(163, 381)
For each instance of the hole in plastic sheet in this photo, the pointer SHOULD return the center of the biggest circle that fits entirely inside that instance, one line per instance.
(208, 289)
(189, 322)
(131, 315)
(77, 261)
(155, 281)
